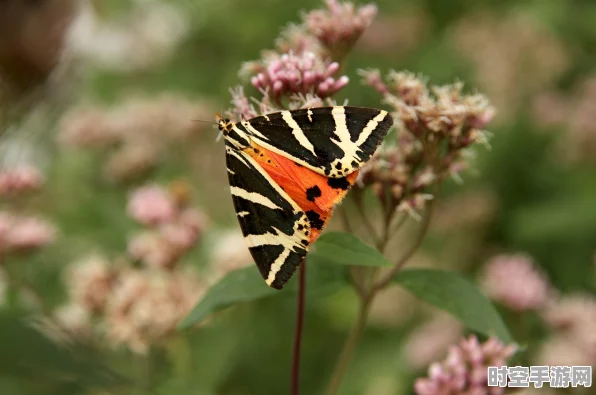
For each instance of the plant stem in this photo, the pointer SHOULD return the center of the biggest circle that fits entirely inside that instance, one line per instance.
(386, 234)
(365, 220)
(368, 296)
(295, 389)
(344, 219)
(399, 264)
(349, 347)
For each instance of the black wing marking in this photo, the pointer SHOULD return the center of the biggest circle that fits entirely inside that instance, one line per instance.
(333, 141)
(274, 227)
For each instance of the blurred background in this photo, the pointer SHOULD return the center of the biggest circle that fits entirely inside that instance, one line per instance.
(98, 143)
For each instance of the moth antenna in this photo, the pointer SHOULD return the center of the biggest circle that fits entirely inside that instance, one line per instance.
(201, 120)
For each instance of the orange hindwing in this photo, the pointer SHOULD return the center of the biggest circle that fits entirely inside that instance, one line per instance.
(312, 192)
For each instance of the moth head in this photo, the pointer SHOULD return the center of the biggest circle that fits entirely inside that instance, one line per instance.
(224, 124)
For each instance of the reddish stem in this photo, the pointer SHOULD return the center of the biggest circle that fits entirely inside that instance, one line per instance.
(295, 390)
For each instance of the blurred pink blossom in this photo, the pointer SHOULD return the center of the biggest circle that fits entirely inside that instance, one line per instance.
(142, 39)
(578, 143)
(228, 254)
(243, 108)
(90, 282)
(151, 205)
(131, 161)
(146, 306)
(185, 231)
(74, 318)
(550, 109)
(470, 209)
(163, 247)
(297, 39)
(464, 371)
(516, 282)
(193, 219)
(178, 235)
(19, 234)
(153, 250)
(340, 25)
(512, 58)
(87, 127)
(397, 34)
(573, 320)
(20, 179)
(431, 340)
(563, 350)
(571, 311)
(283, 74)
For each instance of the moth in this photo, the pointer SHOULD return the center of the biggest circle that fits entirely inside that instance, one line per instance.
(287, 171)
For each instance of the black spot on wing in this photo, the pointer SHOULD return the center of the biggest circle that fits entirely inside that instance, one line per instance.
(312, 193)
(315, 219)
(339, 183)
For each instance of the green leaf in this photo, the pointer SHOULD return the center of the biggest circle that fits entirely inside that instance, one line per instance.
(246, 285)
(458, 296)
(27, 353)
(347, 249)
(243, 285)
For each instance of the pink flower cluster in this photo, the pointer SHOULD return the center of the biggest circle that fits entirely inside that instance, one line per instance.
(303, 67)
(341, 24)
(144, 307)
(464, 371)
(173, 229)
(436, 126)
(20, 179)
(138, 306)
(134, 133)
(24, 233)
(516, 282)
(151, 205)
(290, 73)
(90, 281)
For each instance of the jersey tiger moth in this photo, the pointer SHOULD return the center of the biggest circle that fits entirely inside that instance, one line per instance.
(287, 171)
